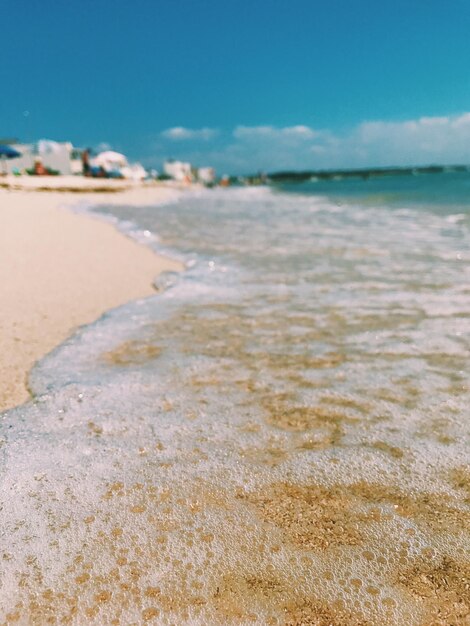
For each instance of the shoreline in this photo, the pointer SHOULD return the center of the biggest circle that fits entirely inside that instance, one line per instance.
(60, 270)
(288, 410)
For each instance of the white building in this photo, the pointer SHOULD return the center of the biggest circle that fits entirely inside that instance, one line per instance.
(135, 171)
(206, 175)
(177, 170)
(76, 163)
(52, 154)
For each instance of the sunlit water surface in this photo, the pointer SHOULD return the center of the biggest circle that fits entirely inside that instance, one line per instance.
(279, 436)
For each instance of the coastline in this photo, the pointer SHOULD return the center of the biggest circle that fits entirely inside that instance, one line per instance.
(60, 270)
(289, 411)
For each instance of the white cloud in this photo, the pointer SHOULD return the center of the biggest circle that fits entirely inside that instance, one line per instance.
(424, 140)
(271, 132)
(461, 120)
(427, 139)
(242, 132)
(434, 121)
(179, 133)
(318, 149)
(299, 131)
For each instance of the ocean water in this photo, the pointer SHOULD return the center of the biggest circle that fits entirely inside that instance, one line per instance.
(278, 436)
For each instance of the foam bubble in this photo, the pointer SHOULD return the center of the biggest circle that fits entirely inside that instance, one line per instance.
(276, 443)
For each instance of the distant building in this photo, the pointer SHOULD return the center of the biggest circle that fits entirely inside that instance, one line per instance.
(135, 171)
(178, 170)
(26, 160)
(206, 175)
(53, 155)
(76, 163)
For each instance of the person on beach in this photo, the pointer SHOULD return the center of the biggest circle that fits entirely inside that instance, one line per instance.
(39, 169)
(86, 162)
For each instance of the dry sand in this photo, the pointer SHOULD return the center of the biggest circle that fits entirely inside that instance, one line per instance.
(59, 270)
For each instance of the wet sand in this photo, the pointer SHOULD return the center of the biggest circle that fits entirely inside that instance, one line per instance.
(266, 456)
(59, 270)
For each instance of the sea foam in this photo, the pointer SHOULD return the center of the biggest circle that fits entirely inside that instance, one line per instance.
(279, 436)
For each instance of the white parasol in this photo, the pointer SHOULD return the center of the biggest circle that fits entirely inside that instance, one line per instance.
(110, 160)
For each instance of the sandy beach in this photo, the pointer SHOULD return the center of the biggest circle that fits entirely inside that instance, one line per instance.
(59, 270)
(235, 314)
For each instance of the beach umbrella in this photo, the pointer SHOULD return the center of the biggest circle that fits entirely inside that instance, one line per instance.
(7, 152)
(110, 159)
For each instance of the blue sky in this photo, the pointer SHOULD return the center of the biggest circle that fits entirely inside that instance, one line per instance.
(245, 85)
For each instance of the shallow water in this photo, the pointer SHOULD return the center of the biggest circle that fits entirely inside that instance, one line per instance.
(279, 436)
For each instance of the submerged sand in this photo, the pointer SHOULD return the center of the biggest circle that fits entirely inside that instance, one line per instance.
(59, 270)
(226, 463)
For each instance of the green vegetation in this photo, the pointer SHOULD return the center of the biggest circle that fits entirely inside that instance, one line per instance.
(299, 177)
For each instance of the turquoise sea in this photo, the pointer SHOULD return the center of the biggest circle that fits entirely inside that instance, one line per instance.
(441, 191)
(278, 436)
